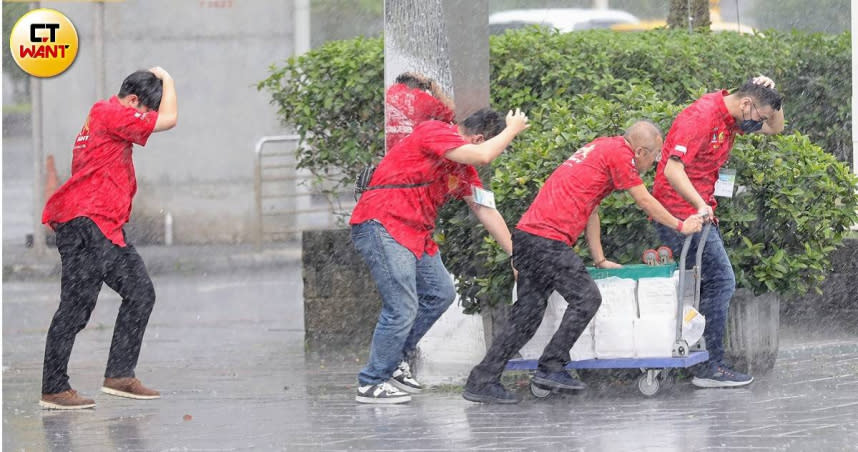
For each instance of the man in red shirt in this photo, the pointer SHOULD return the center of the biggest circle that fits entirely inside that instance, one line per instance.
(545, 259)
(696, 148)
(88, 213)
(392, 227)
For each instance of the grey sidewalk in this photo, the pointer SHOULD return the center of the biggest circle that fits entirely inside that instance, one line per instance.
(227, 352)
(20, 262)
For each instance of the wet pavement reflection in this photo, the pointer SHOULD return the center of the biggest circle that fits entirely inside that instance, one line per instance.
(227, 353)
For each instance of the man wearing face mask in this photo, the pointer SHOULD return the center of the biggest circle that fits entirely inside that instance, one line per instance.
(697, 146)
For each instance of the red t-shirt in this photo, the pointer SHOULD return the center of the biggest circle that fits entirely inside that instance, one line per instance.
(102, 181)
(409, 214)
(701, 136)
(564, 204)
(406, 107)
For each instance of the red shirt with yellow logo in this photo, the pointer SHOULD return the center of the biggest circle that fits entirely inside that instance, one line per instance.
(102, 181)
(564, 204)
(409, 214)
(701, 137)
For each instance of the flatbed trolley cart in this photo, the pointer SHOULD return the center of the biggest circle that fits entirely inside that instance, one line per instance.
(655, 371)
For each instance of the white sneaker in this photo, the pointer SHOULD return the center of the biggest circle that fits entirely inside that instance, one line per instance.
(403, 379)
(381, 393)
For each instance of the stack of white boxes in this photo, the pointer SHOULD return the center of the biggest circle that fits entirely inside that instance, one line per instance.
(637, 319)
(655, 327)
(550, 322)
(614, 321)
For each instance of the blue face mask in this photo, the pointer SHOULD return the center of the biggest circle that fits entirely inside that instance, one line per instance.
(749, 125)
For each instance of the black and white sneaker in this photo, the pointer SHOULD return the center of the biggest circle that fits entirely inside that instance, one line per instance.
(717, 375)
(403, 379)
(381, 393)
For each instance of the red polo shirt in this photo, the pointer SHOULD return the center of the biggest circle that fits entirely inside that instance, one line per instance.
(406, 107)
(701, 136)
(409, 214)
(563, 205)
(102, 181)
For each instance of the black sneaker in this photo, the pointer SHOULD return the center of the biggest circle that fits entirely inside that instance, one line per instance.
(558, 380)
(403, 379)
(381, 393)
(492, 393)
(718, 375)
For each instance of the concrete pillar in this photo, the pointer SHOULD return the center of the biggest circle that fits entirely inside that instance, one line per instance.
(38, 165)
(38, 160)
(443, 39)
(302, 26)
(98, 51)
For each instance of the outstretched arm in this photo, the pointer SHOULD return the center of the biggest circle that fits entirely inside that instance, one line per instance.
(658, 213)
(168, 111)
(593, 233)
(494, 223)
(674, 171)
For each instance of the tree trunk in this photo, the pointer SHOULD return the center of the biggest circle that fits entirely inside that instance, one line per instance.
(681, 10)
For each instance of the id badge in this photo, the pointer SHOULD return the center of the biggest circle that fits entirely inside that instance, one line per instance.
(726, 182)
(483, 197)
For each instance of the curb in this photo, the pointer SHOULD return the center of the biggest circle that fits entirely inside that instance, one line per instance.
(160, 260)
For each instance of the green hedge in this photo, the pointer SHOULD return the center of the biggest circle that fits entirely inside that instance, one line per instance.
(578, 86)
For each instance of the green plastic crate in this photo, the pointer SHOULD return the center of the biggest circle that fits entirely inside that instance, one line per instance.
(634, 271)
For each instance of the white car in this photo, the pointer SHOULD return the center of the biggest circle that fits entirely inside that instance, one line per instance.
(562, 19)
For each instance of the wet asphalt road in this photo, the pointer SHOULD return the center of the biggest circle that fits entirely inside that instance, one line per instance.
(227, 353)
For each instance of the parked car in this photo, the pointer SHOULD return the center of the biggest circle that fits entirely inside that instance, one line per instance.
(561, 19)
(718, 24)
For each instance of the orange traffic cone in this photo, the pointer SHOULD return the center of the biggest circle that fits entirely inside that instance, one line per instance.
(51, 180)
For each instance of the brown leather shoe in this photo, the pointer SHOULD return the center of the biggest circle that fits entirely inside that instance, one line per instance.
(128, 387)
(66, 400)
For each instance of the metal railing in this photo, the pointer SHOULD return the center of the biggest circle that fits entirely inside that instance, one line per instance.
(284, 200)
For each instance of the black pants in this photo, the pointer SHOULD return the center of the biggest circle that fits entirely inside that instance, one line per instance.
(88, 260)
(543, 266)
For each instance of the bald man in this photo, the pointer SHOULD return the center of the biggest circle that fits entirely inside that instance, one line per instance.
(543, 254)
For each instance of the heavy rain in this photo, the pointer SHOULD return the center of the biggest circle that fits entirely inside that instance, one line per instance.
(234, 225)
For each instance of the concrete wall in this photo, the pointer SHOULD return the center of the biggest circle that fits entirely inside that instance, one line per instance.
(201, 171)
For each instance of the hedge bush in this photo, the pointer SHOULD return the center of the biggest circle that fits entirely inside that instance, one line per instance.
(581, 85)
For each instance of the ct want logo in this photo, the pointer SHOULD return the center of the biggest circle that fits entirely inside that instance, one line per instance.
(43, 42)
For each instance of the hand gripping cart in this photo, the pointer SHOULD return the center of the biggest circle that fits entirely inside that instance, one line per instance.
(656, 372)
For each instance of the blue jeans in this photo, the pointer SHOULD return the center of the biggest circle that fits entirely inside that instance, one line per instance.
(414, 294)
(717, 283)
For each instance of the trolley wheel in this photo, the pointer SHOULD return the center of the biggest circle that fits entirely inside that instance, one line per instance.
(539, 392)
(648, 383)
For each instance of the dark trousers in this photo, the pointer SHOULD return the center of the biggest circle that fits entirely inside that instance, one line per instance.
(88, 260)
(543, 266)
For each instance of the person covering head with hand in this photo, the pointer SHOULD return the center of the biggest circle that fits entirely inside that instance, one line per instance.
(392, 226)
(697, 147)
(543, 254)
(88, 213)
(412, 99)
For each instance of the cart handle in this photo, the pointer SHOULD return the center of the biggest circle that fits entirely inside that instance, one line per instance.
(698, 263)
